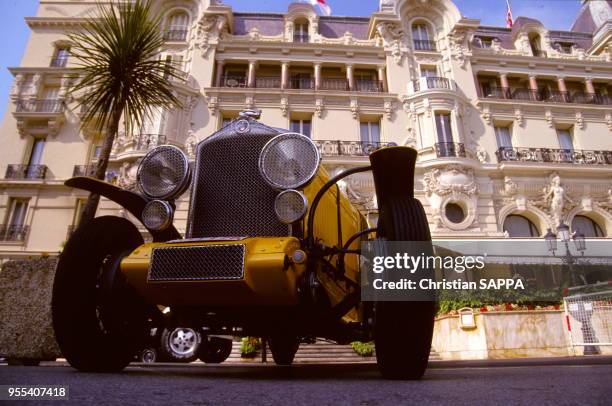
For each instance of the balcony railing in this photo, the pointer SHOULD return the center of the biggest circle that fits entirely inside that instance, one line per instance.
(175, 34)
(84, 170)
(145, 142)
(234, 81)
(424, 45)
(545, 95)
(179, 76)
(301, 38)
(548, 155)
(12, 233)
(431, 82)
(268, 82)
(32, 172)
(40, 106)
(301, 83)
(368, 86)
(330, 148)
(450, 149)
(59, 62)
(335, 84)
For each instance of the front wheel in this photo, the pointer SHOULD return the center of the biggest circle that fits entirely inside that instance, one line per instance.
(98, 319)
(403, 330)
(180, 344)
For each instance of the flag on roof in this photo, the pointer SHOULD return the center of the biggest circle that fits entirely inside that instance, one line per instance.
(323, 6)
(508, 15)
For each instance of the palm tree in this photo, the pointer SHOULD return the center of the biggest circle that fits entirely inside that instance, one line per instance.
(120, 74)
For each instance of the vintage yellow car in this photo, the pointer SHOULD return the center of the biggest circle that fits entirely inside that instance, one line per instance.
(271, 250)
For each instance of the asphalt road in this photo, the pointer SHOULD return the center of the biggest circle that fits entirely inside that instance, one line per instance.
(445, 383)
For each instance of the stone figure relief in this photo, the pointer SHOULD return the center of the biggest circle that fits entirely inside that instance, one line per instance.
(392, 36)
(555, 199)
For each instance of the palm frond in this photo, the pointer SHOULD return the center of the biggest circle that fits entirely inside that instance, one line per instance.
(117, 56)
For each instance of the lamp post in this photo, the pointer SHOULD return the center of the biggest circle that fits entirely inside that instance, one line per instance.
(580, 313)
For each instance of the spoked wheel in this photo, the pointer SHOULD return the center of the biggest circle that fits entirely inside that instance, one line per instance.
(180, 344)
(283, 349)
(403, 330)
(214, 350)
(100, 322)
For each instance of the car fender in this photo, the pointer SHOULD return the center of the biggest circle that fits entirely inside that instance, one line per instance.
(132, 202)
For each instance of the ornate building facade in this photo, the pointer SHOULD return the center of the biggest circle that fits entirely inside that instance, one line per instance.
(513, 126)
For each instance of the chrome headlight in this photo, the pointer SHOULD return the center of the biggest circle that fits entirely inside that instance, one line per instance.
(289, 161)
(164, 173)
(157, 215)
(290, 206)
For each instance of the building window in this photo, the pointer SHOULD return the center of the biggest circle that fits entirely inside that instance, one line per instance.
(15, 228)
(421, 39)
(302, 127)
(428, 71)
(35, 158)
(300, 32)
(564, 47)
(443, 128)
(483, 42)
(518, 226)
(536, 48)
(454, 213)
(370, 132)
(587, 226)
(504, 136)
(178, 27)
(566, 142)
(60, 58)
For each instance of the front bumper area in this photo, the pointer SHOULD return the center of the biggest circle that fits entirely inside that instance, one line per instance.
(250, 271)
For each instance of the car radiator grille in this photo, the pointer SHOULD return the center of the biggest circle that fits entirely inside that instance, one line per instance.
(229, 196)
(209, 262)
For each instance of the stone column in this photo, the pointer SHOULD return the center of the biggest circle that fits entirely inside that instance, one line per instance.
(503, 80)
(350, 77)
(562, 88)
(533, 86)
(382, 78)
(317, 76)
(219, 75)
(588, 82)
(285, 75)
(251, 77)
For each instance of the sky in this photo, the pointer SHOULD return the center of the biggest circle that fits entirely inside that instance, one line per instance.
(554, 14)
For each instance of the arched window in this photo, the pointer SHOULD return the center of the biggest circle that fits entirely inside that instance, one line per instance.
(177, 26)
(421, 38)
(536, 45)
(519, 226)
(587, 226)
(300, 32)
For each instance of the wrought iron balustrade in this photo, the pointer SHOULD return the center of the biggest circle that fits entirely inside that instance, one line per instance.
(301, 83)
(59, 62)
(549, 155)
(234, 81)
(175, 34)
(268, 82)
(13, 233)
(424, 45)
(334, 84)
(545, 95)
(368, 86)
(450, 149)
(334, 148)
(145, 142)
(84, 170)
(32, 172)
(40, 106)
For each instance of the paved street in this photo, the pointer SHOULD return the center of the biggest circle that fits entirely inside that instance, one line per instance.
(533, 382)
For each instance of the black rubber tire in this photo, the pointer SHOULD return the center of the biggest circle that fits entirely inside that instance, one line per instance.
(403, 330)
(100, 322)
(283, 349)
(214, 350)
(169, 355)
(148, 356)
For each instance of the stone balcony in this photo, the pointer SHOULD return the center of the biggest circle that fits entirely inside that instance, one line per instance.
(13, 233)
(338, 148)
(545, 96)
(431, 83)
(31, 113)
(26, 172)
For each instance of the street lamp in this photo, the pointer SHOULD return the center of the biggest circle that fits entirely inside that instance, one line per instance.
(584, 317)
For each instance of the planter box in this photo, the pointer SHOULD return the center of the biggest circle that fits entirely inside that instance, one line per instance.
(513, 334)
